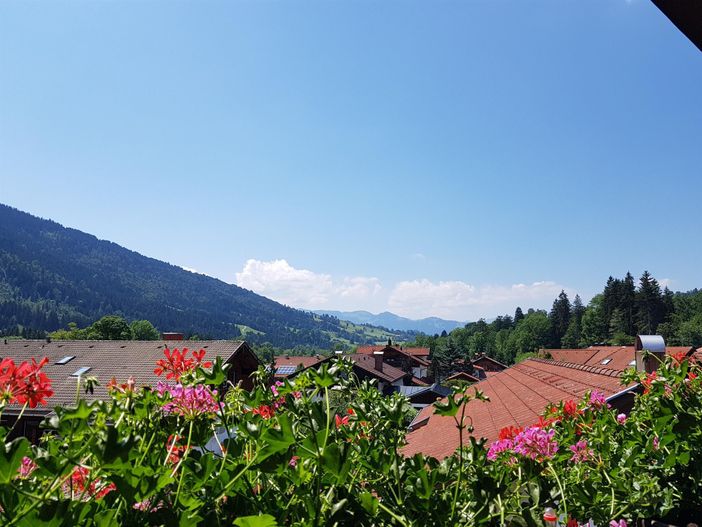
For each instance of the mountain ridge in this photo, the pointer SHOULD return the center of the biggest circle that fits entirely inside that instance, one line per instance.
(51, 275)
(386, 319)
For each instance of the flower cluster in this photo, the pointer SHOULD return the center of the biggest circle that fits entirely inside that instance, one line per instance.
(581, 452)
(174, 448)
(648, 381)
(26, 468)
(178, 363)
(189, 401)
(344, 421)
(598, 400)
(534, 443)
(24, 384)
(264, 411)
(128, 387)
(80, 485)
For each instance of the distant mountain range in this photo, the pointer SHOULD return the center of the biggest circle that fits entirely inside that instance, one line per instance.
(51, 275)
(430, 326)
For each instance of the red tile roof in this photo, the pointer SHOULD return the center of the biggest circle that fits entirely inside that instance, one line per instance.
(518, 395)
(612, 357)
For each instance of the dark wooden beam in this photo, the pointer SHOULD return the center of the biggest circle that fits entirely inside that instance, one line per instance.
(686, 15)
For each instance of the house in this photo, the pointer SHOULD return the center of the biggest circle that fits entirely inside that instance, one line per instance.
(287, 366)
(374, 367)
(411, 360)
(73, 360)
(487, 364)
(518, 395)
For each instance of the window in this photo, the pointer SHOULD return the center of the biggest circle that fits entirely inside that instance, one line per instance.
(81, 371)
(606, 361)
(65, 360)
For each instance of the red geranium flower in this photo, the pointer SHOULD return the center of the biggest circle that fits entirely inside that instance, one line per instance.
(341, 421)
(264, 411)
(24, 384)
(646, 383)
(510, 432)
(178, 363)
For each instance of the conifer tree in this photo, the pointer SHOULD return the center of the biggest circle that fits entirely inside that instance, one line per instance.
(559, 317)
(649, 305)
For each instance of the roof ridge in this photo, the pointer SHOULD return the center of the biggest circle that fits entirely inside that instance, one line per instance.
(583, 367)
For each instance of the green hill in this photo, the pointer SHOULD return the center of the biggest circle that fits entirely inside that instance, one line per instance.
(51, 275)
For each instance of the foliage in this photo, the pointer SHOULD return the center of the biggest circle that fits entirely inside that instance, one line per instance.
(285, 455)
(144, 330)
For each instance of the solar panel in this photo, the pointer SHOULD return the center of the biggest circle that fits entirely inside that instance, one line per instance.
(285, 370)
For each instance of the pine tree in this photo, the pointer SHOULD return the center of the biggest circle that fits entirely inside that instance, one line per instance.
(560, 318)
(649, 305)
(571, 339)
(518, 315)
(627, 304)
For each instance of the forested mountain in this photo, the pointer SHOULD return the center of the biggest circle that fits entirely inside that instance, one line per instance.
(51, 276)
(392, 321)
(624, 309)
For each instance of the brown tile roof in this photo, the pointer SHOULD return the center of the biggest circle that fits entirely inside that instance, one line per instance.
(302, 361)
(415, 352)
(111, 358)
(419, 382)
(518, 395)
(613, 357)
(367, 364)
(462, 376)
(482, 357)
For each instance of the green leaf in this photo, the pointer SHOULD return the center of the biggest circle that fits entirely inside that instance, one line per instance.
(11, 458)
(369, 503)
(263, 520)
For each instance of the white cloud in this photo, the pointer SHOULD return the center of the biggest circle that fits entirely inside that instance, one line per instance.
(463, 301)
(458, 300)
(306, 289)
(359, 287)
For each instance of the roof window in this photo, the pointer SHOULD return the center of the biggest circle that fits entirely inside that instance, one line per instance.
(606, 361)
(65, 360)
(81, 371)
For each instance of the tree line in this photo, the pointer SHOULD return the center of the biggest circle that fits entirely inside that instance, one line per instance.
(613, 317)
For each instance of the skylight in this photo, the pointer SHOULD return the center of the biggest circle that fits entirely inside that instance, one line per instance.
(606, 361)
(81, 371)
(65, 360)
(632, 363)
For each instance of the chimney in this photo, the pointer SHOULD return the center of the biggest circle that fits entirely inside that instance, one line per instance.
(378, 356)
(172, 336)
(48, 340)
(655, 345)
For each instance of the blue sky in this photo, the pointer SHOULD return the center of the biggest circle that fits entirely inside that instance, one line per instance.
(431, 158)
